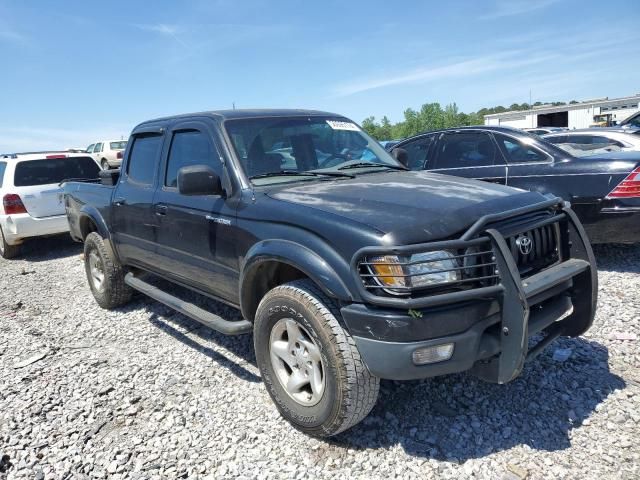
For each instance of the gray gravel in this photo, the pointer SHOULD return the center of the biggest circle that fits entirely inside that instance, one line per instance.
(144, 392)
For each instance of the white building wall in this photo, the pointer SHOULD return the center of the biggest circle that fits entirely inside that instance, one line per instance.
(581, 117)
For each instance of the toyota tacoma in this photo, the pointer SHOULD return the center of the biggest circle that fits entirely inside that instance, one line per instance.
(347, 268)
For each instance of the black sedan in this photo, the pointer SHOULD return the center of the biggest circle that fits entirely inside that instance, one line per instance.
(604, 190)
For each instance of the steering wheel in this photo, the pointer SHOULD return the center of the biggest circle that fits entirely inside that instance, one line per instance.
(330, 160)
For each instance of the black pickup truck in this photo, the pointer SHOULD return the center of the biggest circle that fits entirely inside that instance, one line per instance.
(346, 267)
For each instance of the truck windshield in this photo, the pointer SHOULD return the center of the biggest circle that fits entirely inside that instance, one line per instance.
(279, 149)
(54, 170)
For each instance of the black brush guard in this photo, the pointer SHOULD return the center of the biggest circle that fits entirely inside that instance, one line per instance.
(576, 274)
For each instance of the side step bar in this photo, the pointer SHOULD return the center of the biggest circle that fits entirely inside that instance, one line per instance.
(189, 309)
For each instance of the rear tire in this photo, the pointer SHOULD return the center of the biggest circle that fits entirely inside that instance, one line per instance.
(309, 363)
(104, 164)
(104, 274)
(7, 251)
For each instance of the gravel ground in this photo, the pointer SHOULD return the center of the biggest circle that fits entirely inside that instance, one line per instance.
(144, 392)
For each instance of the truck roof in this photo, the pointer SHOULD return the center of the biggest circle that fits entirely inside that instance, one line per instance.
(246, 113)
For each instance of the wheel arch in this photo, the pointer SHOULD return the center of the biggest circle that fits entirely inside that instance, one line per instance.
(273, 262)
(89, 221)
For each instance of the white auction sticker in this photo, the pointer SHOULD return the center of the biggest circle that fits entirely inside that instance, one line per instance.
(336, 125)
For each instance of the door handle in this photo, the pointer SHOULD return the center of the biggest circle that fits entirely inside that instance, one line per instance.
(161, 209)
(119, 201)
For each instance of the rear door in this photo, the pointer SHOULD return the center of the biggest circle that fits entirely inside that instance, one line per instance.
(470, 154)
(196, 234)
(530, 168)
(37, 181)
(133, 224)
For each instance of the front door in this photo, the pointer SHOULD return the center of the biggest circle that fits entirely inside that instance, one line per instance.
(195, 233)
(470, 154)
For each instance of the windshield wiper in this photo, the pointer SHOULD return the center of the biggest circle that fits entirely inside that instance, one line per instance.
(294, 173)
(369, 164)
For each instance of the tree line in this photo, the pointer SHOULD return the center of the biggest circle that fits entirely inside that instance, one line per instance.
(432, 116)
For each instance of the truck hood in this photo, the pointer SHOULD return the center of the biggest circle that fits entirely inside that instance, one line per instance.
(408, 207)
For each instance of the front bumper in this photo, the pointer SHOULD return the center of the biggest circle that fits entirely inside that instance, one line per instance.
(16, 228)
(489, 327)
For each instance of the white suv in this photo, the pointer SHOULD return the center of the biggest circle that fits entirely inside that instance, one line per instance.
(29, 190)
(108, 153)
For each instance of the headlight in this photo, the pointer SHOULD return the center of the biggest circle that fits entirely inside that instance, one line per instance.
(438, 260)
(415, 271)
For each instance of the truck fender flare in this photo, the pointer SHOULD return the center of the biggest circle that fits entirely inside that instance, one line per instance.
(92, 213)
(297, 256)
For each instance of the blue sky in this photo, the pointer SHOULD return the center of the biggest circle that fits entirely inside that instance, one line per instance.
(72, 72)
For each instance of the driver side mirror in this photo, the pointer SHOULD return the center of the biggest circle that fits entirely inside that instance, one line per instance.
(401, 155)
(199, 180)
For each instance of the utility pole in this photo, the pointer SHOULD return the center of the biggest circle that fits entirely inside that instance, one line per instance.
(234, 105)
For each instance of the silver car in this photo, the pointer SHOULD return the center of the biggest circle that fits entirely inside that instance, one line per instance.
(595, 140)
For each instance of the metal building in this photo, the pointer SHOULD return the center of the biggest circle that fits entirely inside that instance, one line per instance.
(602, 112)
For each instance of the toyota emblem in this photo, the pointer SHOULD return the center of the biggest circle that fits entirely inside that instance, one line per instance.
(525, 245)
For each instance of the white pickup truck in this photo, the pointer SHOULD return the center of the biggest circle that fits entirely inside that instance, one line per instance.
(29, 189)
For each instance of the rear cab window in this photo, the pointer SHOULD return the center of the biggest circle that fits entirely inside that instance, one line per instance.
(144, 158)
(48, 171)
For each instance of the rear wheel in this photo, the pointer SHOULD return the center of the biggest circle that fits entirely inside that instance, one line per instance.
(104, 273)
(7, 251)
(105, 164)
(310, 364)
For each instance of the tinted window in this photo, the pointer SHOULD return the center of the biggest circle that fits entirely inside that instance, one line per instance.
(3, 167)
(518, 152)
(557, 139)
(458, 150)
(605, 141)
(54, 170)
(417, 152)
(98, 148)
(118, 145)
(190, 148)
(144, 158)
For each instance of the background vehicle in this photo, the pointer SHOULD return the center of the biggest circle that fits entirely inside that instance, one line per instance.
(544, 130)
(31, 201)
(632, 123)
(346, 267)
(604, 190)
(108, 153)
(590, 141)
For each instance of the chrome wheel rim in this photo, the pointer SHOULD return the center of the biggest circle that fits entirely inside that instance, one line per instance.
(96, 270)
(297, 362)
(1, 242)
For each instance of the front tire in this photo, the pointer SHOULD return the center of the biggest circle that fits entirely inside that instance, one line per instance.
(309, 363)
(104, 273)
(7, 251)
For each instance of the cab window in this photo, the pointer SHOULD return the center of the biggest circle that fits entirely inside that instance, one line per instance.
(144, 158)
(190, 147)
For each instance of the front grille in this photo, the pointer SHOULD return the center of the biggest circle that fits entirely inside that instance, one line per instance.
(542, 248)
(472, 267)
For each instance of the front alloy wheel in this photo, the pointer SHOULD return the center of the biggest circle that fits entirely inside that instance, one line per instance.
(297, 362)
